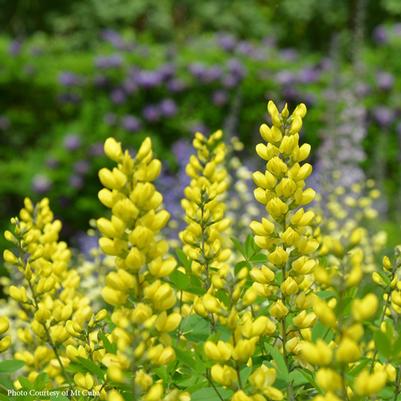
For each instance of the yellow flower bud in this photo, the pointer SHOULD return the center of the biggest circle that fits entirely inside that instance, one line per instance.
(279, 310)
(84, 381)
(347, 351)
(289, 286)
(365, 308)
(113, 150)
(224, 375)
(4, 324)
(278, 257)
(328, 380)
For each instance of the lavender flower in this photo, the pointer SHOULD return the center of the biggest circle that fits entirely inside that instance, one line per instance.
(226, 41)
(176, 85)
(168, 107)
(15, 47)
(41, 184)
(68, 79)
(96, 149)
(385, 80)
(148, 79)
(108, 62)
(380, 35)
(76, 181)
(72, 142)
(151, 113)
(131, 123)
(81, 167)
(118, 96)
(383, 116)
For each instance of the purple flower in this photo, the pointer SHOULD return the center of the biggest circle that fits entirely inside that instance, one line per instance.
(167, 71)
(176, 85)
(168, 107)
(220, 97)
(151, 113)
(383, 115)
(148, 79)
(197, 70)
(384, 80)
(236, 68)
(285, 77)
(226, 41)
(130, 85)
(289, 54)
(41, 183)
(230, 81)
(4, 123)
(106, 62)
(245, 47)
(15, 47)
(81, 167)
(72, 142)
(182, 150)
(68, 79)
(76, 181)
(211, 74)
(118, 96)
(131, 123)
(380, 35)
(114, 38)
(96, 149)
(308, 75)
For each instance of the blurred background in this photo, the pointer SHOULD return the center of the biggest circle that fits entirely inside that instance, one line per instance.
(73, 72)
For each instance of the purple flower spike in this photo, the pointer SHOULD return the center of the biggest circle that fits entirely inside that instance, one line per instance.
(41, 183)
(131, 123)
(72, 142)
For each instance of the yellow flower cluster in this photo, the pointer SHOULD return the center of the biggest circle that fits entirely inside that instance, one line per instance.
(59, 323)
(204, 208)
(137, 288)
(287, 233)
(205, 239)
(5, 340)
(345, 216)
(348, 345)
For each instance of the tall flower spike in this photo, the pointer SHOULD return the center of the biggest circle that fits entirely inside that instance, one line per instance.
(142, 298)
(56, 315)
(204, 240)
(286, 233)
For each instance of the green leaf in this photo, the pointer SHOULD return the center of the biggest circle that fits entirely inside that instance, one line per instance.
(209, 394)
(109, 347)
(195, 328)
(59, 397)
(190, 359)
(282, 371)
(180, 280)
(182, 258)
(10, 366)
(91, 367)
(383, 344)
